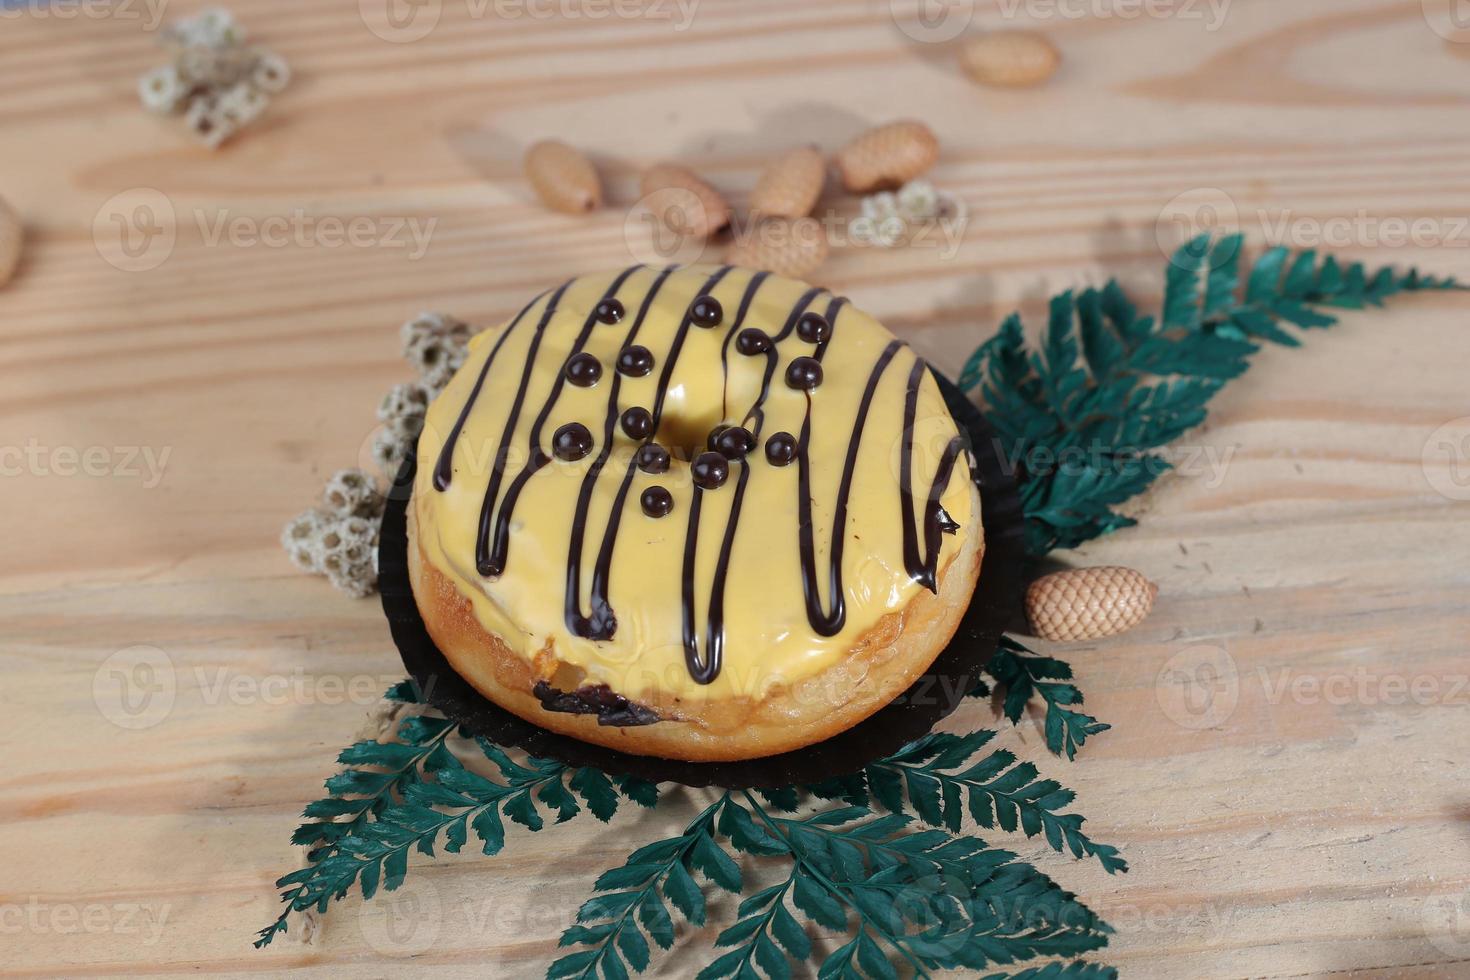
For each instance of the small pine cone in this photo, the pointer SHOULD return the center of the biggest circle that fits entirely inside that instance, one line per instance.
(162, 90)
(780, 245)
(352, 493)
(302, 538)
(888, 156)
(1088, 603)
(270, 73)
(563, 178)
(1010, 59)
(789, 188)
(684, 201)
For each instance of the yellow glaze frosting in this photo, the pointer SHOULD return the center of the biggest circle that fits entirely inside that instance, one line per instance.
(768, 637)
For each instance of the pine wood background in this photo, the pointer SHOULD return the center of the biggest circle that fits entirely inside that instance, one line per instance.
(1276, 828)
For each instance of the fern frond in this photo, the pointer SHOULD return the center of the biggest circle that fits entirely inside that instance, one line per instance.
(1024, 674)
(938, 776)
(1109, 385)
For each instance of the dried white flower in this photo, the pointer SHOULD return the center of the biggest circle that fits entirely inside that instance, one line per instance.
(220, 83)
(270, 73)
(162, 90)
(302, 538)
(403, 408)
(918, 200)
(353, 493)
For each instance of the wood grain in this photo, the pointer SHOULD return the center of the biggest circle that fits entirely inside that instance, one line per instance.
(1296, 834)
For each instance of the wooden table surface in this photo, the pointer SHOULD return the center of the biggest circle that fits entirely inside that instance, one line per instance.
(1302, 811)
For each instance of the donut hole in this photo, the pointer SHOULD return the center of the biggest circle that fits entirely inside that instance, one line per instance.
(685, 436)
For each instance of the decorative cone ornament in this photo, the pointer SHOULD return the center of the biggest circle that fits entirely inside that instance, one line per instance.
(1088, 603)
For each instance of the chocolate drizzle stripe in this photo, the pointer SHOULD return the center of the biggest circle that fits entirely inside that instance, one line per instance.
(444, 467)
(704, 669)
(483, 562)
(824, 622)
(537, 458)
(602, 571)
(602, 623)
(827, 618)
(750, 290)
(922, 568)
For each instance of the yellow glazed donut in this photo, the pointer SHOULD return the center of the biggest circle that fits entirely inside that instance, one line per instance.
(700, 513)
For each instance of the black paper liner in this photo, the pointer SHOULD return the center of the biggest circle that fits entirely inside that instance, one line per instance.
(994, 608)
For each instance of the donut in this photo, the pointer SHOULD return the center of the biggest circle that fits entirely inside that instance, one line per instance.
(699, 513)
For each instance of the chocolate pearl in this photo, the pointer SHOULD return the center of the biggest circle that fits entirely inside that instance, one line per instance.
(707, 312)
(656, 502)
(653, 458)
(751, 341)
(780, 449)
(609, 311)
(804, 373)
(710, 471)
(635, 361)
(571, 442)
(714, 435)
(813, 328)
(637, 423)
(734, 442)
(584, 370)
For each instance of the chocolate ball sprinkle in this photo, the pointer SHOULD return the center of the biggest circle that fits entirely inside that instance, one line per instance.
(751, 341)
(804, 373)
(706, 312)
(780, 449)
(637, 423)
(813, 328)
(714, 435)
(710, 471)
(571, 442)
(653, 458)
(656, 502)
(609, 311)
(584, 370)
(635, 361)
(734, 442)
